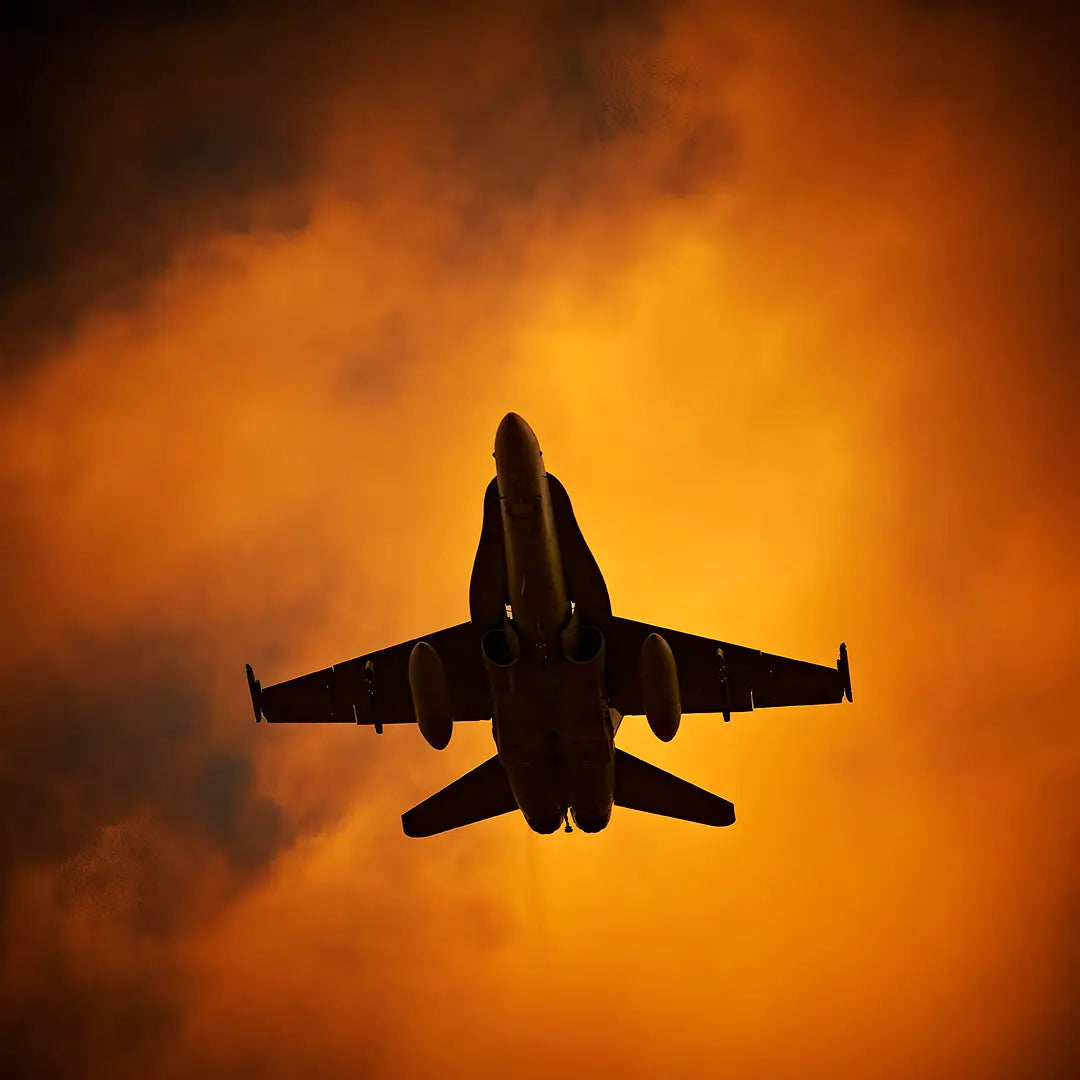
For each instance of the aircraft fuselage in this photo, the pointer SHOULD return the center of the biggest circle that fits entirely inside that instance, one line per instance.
(552, 725)
(536, 584)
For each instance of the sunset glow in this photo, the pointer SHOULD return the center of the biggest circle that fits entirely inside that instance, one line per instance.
(789, 301)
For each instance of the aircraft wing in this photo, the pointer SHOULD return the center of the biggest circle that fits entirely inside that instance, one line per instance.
(374, 688)
(719, 677)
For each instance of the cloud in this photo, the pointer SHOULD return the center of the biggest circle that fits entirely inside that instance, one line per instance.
(787, 301)
(126, 821)
(141, 135)
(132, 134)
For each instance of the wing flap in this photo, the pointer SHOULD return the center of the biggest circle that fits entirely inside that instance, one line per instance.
(641, 786)
(480, 794)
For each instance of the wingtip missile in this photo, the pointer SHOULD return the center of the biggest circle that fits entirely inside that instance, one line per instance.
(255, 689)
(845, 671)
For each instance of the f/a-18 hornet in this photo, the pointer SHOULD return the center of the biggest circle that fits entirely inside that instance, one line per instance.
(545, 661)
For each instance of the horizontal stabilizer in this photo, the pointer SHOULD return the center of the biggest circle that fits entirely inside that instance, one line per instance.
(641, 786)
(483, 793)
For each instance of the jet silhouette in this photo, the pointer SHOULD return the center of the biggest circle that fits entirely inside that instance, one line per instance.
(543, 658)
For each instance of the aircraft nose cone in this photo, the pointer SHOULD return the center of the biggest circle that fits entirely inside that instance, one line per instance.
(515, 443)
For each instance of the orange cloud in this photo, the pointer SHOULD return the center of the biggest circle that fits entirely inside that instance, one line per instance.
(782, 298)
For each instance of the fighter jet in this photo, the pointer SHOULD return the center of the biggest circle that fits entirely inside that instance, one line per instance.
(543, 659)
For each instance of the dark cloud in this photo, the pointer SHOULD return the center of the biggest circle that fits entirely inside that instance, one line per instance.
(119, 800)
(134, 133)
(118, 738)
(74, 1025)
(131, 131)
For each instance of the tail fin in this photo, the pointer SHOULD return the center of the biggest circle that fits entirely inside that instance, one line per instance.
(483, 793)
(641, 786)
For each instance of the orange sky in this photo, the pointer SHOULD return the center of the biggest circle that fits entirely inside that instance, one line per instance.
(788, 301)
